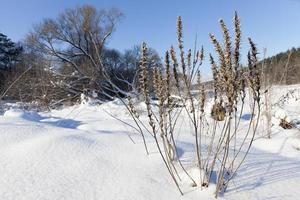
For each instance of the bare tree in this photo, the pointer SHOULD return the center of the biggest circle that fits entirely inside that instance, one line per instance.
(77, 39)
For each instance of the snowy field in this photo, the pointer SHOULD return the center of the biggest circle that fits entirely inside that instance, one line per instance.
(81, 152)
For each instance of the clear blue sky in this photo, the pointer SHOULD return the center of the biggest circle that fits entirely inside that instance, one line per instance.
(273, 24)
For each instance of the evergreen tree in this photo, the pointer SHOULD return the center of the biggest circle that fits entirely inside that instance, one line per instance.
(9, 52)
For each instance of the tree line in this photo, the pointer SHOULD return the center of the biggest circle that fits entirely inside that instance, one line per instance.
(62, 58)
(282, 68)
(67, 56)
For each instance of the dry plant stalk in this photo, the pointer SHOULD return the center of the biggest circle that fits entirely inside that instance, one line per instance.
(215, 137)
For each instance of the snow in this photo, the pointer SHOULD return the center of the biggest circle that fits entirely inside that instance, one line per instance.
(42, 161)
(17, 113)
(82, 153)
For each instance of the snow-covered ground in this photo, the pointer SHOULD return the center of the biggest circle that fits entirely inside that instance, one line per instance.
(81, 152)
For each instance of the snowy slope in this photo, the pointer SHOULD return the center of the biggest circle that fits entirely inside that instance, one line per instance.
(82, 153)
(42, 158)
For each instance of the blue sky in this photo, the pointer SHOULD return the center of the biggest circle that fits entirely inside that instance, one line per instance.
(273, 24)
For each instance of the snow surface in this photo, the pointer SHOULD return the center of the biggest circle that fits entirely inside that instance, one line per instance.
(82, 153)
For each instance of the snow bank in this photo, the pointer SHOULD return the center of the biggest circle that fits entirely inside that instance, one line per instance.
(17, 113)
(41, 161)
(82, 153)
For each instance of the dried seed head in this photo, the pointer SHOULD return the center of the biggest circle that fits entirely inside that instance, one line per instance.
(144, 84)
(242, 83)
(215, 72)
(156, 79)
(237, 40)
(132, 108)
(189, 57)
(227, 43)
(201, 55)
(168, 78)
(180, 44)
(239, 80)
(159, 90)
(254, 78)
(168, 73)
(221, 55)
(175, 66)
(179, 29)
(201, 92)
(143, 68)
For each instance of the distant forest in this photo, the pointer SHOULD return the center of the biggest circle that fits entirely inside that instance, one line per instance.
(62, 58)
(283, 68)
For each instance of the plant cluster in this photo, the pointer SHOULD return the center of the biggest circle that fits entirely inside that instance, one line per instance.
(217, 150)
